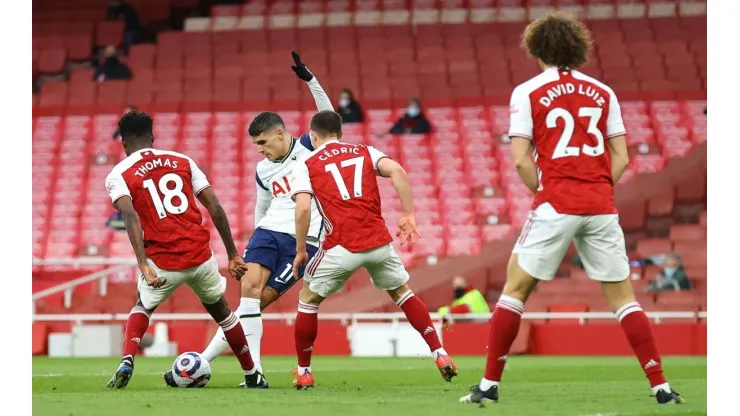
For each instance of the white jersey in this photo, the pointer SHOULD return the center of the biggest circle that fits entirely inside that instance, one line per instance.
(275, 209)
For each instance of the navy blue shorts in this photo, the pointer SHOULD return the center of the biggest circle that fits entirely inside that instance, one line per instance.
(276, 252)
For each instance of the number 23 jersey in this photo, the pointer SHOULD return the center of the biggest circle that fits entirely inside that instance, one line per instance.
(342, 179)
(162, 186)
(570, 118)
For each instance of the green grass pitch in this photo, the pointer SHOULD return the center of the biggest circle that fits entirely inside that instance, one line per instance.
(573, 386)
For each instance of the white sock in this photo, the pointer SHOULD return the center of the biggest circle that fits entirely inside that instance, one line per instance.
(440, 351)
(217, 346)
(251, 318)
(486, 384)
(302, 370)
(663, 386)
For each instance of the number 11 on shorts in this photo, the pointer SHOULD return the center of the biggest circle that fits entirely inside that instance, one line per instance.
(285, 275)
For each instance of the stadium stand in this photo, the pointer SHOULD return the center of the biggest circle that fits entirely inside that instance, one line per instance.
(203, 85)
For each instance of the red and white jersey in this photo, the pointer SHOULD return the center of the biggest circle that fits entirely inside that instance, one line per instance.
(162, 186)
(569, 117)
(342, 179)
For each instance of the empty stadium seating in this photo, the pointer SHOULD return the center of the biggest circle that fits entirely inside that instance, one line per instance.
(204, 86)
(464, 182)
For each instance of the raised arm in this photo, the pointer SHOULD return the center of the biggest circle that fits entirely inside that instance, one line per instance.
(319, 95)
(520, 132)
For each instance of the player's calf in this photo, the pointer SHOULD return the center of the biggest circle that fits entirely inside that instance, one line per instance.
(418, 316)
(136, 326)
(306, 330)
(637, 328)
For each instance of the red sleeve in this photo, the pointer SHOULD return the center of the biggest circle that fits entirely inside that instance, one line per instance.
(463, 308)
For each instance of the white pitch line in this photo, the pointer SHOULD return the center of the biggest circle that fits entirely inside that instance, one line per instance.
(159, 373)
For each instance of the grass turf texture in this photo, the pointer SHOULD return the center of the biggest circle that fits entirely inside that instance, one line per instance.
(580, 386)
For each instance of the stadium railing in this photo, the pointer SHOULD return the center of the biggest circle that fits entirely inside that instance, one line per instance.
(118, 265)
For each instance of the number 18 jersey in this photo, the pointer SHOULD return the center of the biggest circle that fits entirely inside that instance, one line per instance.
(162, 186)
(341, 177)
(569, 117)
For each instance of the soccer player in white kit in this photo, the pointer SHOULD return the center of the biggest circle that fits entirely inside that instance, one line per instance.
(569, 147)
(271, 249)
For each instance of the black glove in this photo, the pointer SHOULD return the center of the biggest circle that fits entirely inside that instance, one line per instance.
(300, 68)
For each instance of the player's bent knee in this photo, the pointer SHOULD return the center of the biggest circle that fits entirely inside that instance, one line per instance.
(399, 291)
(254, 280)
(519, 283)
(269, 295)
(618, 294)
(310, 297)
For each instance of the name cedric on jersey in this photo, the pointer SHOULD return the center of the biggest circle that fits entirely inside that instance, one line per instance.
(326, 154)
(568, 88)
(156, 163)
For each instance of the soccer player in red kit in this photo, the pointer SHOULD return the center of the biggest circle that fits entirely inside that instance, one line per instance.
(155, 191)
(341, 178)
(569, 148)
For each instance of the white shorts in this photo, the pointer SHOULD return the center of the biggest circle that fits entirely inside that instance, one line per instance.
(328, 270)
(205, 280)
(599, 239)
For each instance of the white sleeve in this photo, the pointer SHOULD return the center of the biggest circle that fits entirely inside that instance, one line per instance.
(300, 181)
(614, 123)
(375, 156)
(520, 114)
(264, 198)
(319, 95)
(116, 187)
(198, 178)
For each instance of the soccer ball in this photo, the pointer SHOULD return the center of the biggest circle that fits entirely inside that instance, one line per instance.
(191, 370)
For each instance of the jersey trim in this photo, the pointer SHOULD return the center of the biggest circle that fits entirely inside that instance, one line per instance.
(611, 136)
(119, 197)
(259, 181)
(202, 189)
(287, 155)
(378, 162)
(306, 142)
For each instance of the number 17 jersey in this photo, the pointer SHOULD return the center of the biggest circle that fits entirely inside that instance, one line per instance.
(162, 186)
(342, 179)
(570, 118)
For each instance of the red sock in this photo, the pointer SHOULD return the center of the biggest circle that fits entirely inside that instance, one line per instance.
(136, 325)
(504, 328)
(418, 315)
(306, 329)
(237, 341)
(640, 335)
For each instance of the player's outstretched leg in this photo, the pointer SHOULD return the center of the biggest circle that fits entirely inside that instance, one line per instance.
(636, 327)
(306, 330)
(504, 327)
(234, 335)
(136, 326)
(418, 316)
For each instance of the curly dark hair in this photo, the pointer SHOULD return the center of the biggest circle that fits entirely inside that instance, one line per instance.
(135, 124)
(558, 39)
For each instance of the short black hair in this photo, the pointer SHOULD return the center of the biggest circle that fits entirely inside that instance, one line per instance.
(327, 123)
(266, 120)
(136, 124)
